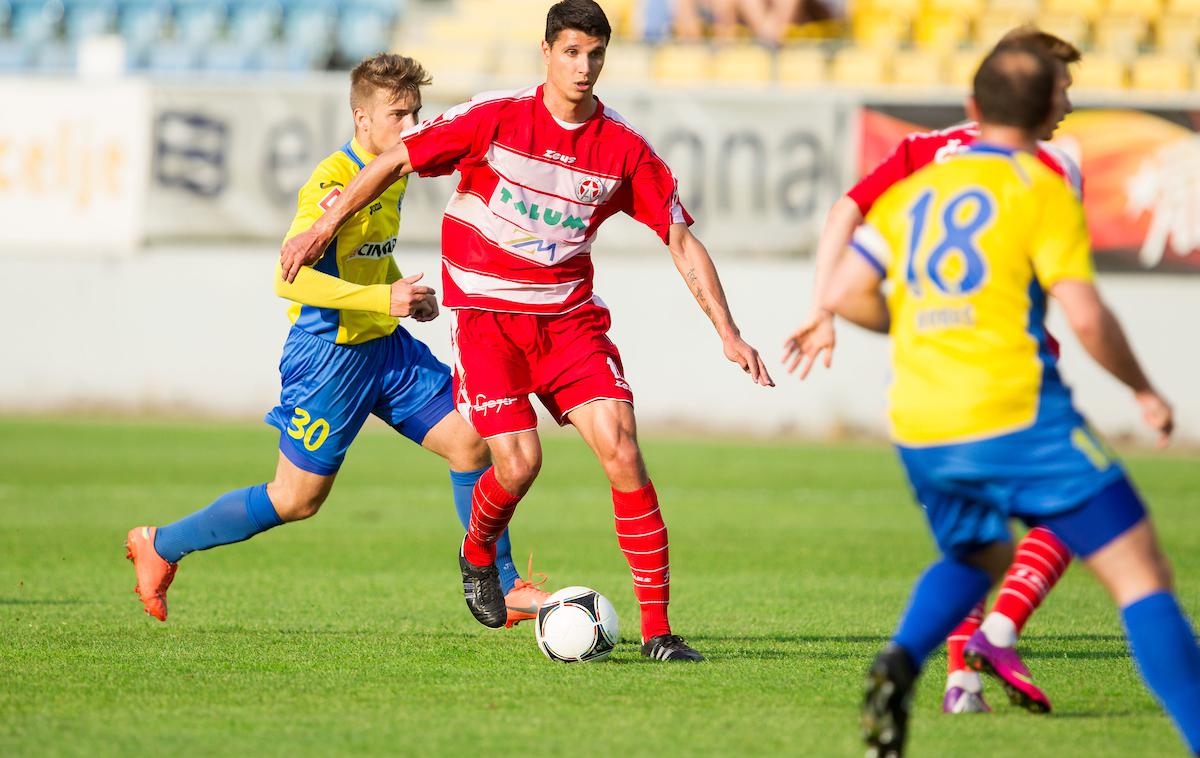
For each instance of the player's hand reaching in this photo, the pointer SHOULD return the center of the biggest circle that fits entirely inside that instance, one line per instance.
(814, 336)
(741, 353)
(411, 299)
(305, 249)
(1157, 414)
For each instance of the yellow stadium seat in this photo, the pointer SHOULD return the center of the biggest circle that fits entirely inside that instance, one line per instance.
(1183, 7)
(993, 25)
(903, 7)
(519, 63)
(1024, 7)
(969, 8)
(627, 63)
(742, 64)
(859, 66)
(1073, 28)
(1118, 35)
(1147, 10)
(962, 64)
(1178, 35)
(1089, 9)
(918, 68)
(1160, 73)
(940, 31)
(1099, 72)
(801, 65)
(683, 64)
(883, 29)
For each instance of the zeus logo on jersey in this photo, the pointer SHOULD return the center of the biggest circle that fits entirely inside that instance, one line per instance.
(546, 215)
(556, 156)
(375, 250)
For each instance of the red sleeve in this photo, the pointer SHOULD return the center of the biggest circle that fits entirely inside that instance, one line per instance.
(653, 197)
(889, 171)
(436, 146)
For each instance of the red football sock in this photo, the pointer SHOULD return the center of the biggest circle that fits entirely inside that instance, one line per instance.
(492, 507)
(1041, 560)
(958, 639)
(642, 536)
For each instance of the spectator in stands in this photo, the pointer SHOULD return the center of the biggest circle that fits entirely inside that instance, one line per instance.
(766, 20)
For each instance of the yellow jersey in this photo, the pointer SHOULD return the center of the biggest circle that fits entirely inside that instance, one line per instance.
(969, 248)
(356, 308)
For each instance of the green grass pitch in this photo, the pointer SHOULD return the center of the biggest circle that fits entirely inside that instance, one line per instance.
(348, 633)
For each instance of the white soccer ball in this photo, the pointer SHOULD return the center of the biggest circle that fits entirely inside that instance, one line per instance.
(577, 624)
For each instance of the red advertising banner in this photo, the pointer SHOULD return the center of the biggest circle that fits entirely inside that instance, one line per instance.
(1141, 176)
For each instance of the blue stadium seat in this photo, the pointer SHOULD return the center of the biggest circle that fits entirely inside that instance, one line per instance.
(142, 24)
(308, 34)
(199, 23)
(254, 24)
(363, 30)
(35, 22)
(174, 56)
(89, 18)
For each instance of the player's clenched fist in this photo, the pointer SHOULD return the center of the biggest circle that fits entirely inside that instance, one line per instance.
(412, 299)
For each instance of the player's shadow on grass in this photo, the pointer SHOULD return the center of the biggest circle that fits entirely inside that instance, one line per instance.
(767, 647)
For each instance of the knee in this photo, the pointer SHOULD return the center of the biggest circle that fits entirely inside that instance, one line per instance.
(471, 457)
(623, 464)
(516, 473)
(295, 504)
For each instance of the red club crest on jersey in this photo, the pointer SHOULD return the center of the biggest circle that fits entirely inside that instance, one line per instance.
(588, 190)
(329, 198)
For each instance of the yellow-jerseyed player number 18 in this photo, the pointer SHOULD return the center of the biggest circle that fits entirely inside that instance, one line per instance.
(312, 433)
(958, 238)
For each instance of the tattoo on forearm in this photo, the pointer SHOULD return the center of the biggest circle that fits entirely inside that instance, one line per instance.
(698, 292)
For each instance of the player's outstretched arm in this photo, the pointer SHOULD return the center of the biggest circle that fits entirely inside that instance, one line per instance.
(1101, 335)
(816, 334)
(853, 293)
(306, 248)
(400, 298)
(697, 269)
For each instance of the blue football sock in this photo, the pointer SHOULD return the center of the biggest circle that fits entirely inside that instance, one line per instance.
(941, 598)
(1164, 647)
(463, 483)
(233, 517)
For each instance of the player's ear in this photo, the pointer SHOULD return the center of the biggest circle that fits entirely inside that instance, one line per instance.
(972, 109)
(546, 52)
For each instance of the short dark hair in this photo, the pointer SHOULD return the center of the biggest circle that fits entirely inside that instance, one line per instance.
(1057, 47)
(1014, 86)
(581, 15)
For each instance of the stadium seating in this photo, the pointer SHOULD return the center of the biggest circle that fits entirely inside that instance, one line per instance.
(683, 64)
(1101, 72)
(801, 66)
(742, 65)
(1160, 73)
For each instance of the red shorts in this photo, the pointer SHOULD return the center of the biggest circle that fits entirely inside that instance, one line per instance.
(501, 358)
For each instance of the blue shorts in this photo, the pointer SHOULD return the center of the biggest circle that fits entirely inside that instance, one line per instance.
(328, 390)
(971, 490)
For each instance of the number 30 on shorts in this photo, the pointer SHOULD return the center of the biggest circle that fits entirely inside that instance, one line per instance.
(311, 433)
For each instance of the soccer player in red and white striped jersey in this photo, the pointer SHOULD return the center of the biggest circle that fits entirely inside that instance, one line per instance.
(1041, 558)
(540, 170)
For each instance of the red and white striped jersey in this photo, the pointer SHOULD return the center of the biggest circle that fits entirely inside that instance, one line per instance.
(518, 232)
(920, 149)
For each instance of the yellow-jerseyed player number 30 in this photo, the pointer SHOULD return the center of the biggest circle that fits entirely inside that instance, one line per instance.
(312, 433)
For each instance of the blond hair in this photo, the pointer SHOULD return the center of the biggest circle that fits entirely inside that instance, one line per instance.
(398, 75)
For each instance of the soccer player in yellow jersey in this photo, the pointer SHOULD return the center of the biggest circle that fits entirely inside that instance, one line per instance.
(345, 357)
(967, 252)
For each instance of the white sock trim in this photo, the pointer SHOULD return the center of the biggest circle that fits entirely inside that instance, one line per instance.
(999, 630)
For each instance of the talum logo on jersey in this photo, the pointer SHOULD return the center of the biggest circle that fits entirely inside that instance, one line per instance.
(546, 215)
(588, 190)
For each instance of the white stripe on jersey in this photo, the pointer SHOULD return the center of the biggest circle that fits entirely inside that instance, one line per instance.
(526, 293)
(483, 98)
(530, 240)
(551, 177)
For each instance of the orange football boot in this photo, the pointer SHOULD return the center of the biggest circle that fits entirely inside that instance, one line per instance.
(525, 598)
(154, 574)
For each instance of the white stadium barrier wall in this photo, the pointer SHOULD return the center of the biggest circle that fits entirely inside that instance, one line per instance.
(155, 211)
